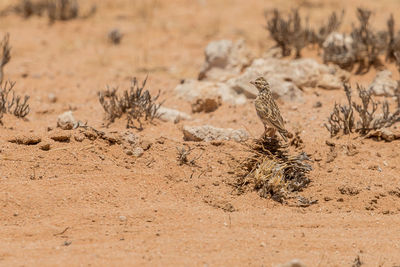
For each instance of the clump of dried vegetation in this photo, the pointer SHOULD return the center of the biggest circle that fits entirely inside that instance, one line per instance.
(368, 44)
(54, 9)
(183, 156)
(360, 116)
(11, 103)
(293, 33)
(362, 47)
(5, 55)
(115, 36)
(272, 171)
(136, 103)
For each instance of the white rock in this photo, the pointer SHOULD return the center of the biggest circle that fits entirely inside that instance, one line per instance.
(280, 88)
(287, 76)
(130, 138)
(191, 90)
(137, 151)
(224, 59)
(338, 49)
(52, 98)
(383, 84)
(66, 121)
(209, 133)
(169, 114)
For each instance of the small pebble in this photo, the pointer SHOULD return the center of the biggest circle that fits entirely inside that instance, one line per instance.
(52, 98)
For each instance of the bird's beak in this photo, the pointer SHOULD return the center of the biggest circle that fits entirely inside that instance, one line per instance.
(252, 82)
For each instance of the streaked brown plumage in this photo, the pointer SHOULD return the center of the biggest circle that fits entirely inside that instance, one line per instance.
(266, 108)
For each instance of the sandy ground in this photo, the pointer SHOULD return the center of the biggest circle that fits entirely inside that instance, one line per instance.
(88, 203)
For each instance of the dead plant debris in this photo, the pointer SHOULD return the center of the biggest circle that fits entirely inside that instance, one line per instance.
(5, 55)
(54, 9)
(293, 33)
(361, 47)
(136, 103)
(360, 117)
(183, 153)
(11, 103)
(272, 171)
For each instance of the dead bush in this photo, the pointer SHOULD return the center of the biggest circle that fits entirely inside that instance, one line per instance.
(287, 33)
(135, 102)
(272, 171)
(293, 33)
(368, 44)
(62, 9)
(5, 55)
(55, 9)
(361, 116)
(183, 154)
(11, 103)
(319, 36)
(27, 8)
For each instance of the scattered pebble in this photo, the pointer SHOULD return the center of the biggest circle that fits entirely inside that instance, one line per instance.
(45, 147)
(52, 98)
(79, 137)
(145, 144)
(317, 104)
(137, 152)
(66, 121)
(115, 36)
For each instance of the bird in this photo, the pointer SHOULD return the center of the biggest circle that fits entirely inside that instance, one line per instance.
(267, 109)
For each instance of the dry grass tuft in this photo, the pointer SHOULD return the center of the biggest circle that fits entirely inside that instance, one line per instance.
(5, 55)
(293, 32)
(135, 102)
(183, 156)
(55, 9)
(272, 171)
(361, 116)
(11, 103)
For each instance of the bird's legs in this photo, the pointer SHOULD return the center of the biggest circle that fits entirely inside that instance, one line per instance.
(269, 132)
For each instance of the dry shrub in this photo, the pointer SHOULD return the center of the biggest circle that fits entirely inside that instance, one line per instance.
(319, 36)
(62, 9)
(292, 33)
(135, 102)
(183, 156)
(55, 9)
(287, 33)
(11, 103)
(272, 171)
(5, 55)
(361, 116)
(368, 44)
(27, 8)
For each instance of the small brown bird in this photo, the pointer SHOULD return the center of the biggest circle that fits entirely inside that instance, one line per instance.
(267, 110)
